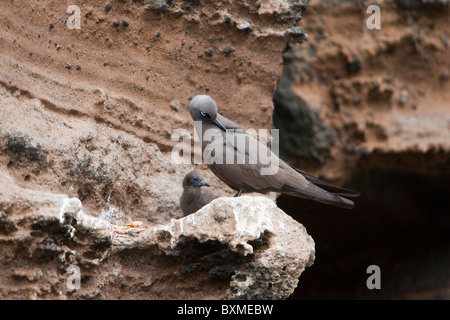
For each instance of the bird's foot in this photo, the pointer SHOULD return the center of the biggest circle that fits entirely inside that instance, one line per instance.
(238, 194)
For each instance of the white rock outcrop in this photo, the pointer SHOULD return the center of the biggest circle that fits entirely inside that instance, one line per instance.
(277, 247)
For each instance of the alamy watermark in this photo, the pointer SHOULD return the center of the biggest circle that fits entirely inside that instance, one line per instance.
(74, 21)
(374, 280)
(231, 147)
(73, 281)
(374, 21)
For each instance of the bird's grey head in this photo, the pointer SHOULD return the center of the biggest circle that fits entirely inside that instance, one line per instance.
(194, 179)
(203, 108)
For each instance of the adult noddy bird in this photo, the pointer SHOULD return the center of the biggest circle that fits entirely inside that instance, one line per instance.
(248, 176)
(194, 197)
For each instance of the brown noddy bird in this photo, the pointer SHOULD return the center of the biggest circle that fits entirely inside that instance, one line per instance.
(194, 197)
(219, 136)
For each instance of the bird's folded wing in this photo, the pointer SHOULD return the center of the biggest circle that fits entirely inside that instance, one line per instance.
(243, 168)
(248, 173)
(230, 124)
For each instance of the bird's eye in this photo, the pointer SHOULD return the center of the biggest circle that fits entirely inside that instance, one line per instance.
(194, 178)
(204, 114)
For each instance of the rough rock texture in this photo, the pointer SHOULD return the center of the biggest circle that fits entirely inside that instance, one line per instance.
(86, 118)
(263, 250)
(41, 235)
(233, 248)
(103, 167)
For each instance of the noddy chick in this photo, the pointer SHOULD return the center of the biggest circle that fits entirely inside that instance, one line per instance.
(255, 174)
(194, 197)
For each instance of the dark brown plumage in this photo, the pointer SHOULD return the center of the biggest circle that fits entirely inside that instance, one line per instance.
(194, 197)
(248, 172)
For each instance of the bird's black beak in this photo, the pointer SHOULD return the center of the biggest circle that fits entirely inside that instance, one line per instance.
(215, 121)
(203, 183)
(219, 124)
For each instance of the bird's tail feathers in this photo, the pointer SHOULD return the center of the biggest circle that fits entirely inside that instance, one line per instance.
(339, 191)
(318, 194)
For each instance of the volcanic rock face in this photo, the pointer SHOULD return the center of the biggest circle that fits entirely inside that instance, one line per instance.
(89, 98)
(369, 109)
(358, 97)
(89, 112)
